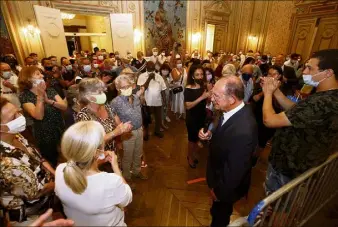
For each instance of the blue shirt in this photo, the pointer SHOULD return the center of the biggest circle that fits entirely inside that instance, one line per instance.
(128, 112)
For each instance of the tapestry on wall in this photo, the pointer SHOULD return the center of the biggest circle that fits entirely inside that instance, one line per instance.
(6, 46)
(165, 23)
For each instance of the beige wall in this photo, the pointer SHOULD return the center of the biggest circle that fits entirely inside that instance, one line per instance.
(279, 27)
(98, 24)
(269, 21)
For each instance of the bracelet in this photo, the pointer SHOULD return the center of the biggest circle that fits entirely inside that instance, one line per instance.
(40, 99)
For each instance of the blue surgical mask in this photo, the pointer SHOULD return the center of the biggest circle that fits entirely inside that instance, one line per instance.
(308, 79)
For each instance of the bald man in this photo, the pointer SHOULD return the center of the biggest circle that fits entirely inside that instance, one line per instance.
(232, 143)
(246, 77)
(9, 84)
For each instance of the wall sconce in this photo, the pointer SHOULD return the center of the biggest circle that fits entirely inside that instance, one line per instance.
(30, 30)
(137, 35)
(67, 16)
(195, 37)
(252, 37)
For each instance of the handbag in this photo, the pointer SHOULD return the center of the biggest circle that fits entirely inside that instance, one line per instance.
(179, 88)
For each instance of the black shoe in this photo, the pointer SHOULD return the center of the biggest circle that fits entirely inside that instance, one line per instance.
(193, 166)
(146, 138)
(159, 134)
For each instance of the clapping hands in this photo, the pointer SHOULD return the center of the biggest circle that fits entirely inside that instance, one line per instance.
(269, 85)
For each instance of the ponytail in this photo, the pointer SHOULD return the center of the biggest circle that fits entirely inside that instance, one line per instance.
(75, 178)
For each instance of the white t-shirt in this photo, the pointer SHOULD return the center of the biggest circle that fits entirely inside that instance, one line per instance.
(7, 93)
(154, 58)
(153, 93)
(98, 204)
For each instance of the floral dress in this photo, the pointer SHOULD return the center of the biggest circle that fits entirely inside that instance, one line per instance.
(108, 124)
(21, 179)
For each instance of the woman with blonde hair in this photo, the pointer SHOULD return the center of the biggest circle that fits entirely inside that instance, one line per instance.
(44, 105)
(89, 196)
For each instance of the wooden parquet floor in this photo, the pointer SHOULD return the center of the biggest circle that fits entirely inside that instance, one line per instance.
(165, 199)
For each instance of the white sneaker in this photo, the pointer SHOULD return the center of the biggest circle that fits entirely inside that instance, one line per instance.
(167, 119)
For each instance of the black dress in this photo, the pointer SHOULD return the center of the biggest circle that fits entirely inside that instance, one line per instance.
(49, 130)
(195, 117)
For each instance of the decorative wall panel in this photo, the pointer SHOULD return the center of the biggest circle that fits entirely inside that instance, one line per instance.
(165, 23)
(279, 27)
(327, 34)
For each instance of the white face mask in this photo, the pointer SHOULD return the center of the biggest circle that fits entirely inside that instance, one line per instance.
(163, 54)
(127, 92)
(308, 79)
(87, 68)
(7, 75)
(17, 125)
(36, 82)
(69, 67)
(165, 72)
(100, 98)
(209, 76)
(100, 57)
(96, 66)
(234, 59)
(179, 66)
(155, 53)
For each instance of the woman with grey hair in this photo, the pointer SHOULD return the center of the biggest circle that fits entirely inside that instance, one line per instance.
(94, 108)
(128, 108)
(229, 69)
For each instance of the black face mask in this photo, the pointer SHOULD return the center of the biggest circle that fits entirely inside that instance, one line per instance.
(48, 68)
(246, 76)
(199, 81)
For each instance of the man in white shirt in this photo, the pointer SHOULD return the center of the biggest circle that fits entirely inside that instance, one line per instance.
(293, 61)
(9, 85)
(154, 94)
(154, 57)
(162, 58)
(246, 78)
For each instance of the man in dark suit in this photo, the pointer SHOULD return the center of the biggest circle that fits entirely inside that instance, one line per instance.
(233, 142)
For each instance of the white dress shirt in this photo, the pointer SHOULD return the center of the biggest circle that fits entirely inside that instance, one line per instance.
(227, 115)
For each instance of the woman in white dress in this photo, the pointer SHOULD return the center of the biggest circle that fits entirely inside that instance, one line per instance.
(179, 78)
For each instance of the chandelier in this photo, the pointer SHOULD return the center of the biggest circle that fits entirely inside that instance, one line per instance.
(67, 16)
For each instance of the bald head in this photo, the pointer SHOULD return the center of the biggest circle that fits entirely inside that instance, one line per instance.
(247, 69)
(231, 86)
(280, 59)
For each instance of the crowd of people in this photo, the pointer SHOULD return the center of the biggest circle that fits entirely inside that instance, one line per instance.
(77, 126)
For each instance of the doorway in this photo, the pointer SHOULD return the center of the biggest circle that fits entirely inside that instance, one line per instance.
(83, 32)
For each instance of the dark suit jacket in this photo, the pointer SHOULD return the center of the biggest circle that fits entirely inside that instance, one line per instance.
(229, 161)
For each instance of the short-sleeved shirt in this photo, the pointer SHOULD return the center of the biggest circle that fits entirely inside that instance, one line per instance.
(21, 171)
(127, 111)
(99, 204)
(307, 142)
(51, 127)
(153, 93)
(85, 114)
(7, 93)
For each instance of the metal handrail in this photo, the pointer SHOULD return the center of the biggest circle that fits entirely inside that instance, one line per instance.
(300, 199)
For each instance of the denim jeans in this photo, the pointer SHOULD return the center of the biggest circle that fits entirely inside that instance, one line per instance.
(274, 180)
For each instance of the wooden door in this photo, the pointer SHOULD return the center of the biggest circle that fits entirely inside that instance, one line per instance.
(327, 34)
(219, 40)
(302, 38)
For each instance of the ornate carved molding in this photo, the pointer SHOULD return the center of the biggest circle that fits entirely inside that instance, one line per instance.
(104, 7)
(217, 10)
